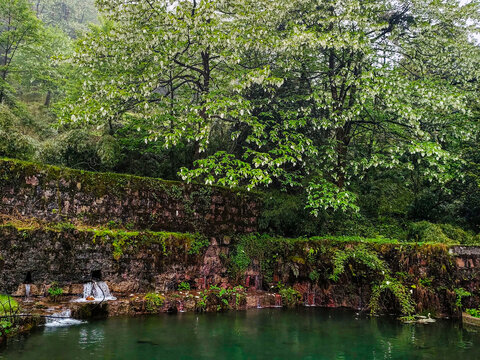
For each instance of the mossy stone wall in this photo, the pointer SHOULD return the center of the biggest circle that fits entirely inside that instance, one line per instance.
(60, 194)
(130, 261)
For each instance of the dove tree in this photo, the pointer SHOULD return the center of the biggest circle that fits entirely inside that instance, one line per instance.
(305, 94)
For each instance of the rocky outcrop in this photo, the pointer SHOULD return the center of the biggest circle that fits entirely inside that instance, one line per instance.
(69, 227)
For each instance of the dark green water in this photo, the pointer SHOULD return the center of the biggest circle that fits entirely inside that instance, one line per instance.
(307, 333)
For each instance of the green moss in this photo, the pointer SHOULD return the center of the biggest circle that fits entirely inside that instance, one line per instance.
(103, 183)
(122, 241)
(127, 241)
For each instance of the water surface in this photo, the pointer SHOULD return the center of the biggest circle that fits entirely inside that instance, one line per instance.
(306, 333)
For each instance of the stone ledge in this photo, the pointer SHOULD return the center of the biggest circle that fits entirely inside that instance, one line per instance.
(56, 194)
(465, 250)
(470, 320)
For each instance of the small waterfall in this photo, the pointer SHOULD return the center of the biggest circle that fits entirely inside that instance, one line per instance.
(310, 299)
(96, 291)
(259, 303)
(63, 318)
(27, 290)
(258, 282)
(180, 307)
(278, 300)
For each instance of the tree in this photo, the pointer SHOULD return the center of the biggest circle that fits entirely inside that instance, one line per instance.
(72, 16)
(311, 95)
(176, 67)
(18, 28)
(364, 86)
(40, 67)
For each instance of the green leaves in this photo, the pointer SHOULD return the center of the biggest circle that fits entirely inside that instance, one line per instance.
(323, 195)
(298, 95)
(18, 28)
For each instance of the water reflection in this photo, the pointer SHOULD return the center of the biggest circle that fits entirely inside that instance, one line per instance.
(89, 336)
(308, 333)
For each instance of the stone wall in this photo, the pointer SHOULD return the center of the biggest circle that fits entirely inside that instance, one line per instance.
(159, 262)
(432, 273)
(59, 194)
(146, 262)
(56, 227)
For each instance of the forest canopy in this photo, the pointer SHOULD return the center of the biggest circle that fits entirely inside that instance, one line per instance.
(355, 117)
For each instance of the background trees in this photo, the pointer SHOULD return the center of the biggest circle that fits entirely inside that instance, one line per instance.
(18, 29)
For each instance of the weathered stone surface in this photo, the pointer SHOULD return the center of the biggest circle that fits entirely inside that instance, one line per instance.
(470, 320)
(465, 250)
(71, 258)
(60, 194)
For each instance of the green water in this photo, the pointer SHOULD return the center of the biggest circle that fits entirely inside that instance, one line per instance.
(307, 333)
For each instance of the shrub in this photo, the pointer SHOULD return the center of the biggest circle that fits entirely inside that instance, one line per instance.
(5, 327)
(54, 292)
(461, 293)
(285, 215)
(425, 231)
(8, 305)
(473, 312)
(199, 243)
(290, 297)
(218, 299)
(184, 286)
(399, 291)
(13, 143)
(359, 254)
(153, 302)
(386, 282)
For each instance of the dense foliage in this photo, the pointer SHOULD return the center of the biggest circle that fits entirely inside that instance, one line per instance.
(358, 117)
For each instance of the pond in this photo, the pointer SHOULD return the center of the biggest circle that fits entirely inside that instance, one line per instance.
(306, 333)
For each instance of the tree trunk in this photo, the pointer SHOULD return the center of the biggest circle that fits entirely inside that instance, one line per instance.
(342, 148)
(2, 90)
(48, 98)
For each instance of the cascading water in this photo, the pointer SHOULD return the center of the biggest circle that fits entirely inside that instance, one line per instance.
(27, 290)
(96, 291)
(258, 282)
(310, 299)
(278, 300)
(63, 318)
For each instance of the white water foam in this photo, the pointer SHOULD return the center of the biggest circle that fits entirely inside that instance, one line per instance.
(99, 291)
(60, 319)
